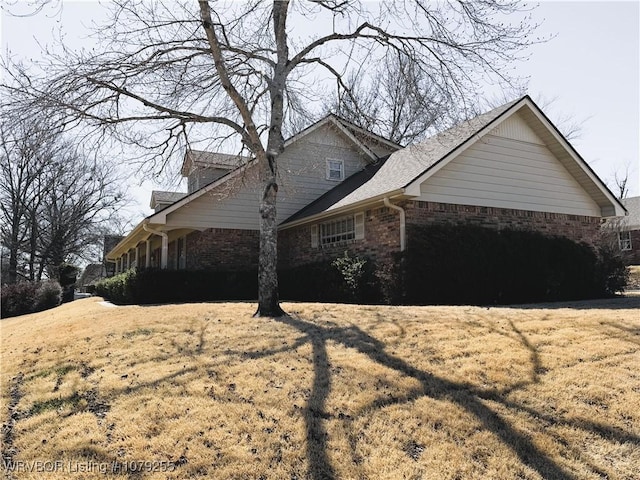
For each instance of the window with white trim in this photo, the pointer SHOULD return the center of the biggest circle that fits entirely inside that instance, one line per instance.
(624, 240)
(338, 231)
(335, 170)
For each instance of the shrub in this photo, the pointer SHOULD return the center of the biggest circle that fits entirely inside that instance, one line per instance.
(67, 275)
(28, 297)
(475, 265)
(352, 270)
(611, 270)
(345, 279)
(150, 285)
(48, 295)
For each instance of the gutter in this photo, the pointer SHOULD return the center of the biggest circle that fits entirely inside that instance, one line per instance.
(402, 222)
(339, 210)
(165, 244)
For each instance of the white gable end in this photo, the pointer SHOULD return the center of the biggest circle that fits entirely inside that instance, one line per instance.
(505, 172)
(516, 128)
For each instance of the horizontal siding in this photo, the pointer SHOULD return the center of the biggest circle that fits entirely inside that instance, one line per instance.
(507, 173)
(302, 168)
(226, 206)
(516, 128)
(301, 179)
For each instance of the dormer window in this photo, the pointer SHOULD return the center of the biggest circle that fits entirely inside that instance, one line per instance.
(335, 170)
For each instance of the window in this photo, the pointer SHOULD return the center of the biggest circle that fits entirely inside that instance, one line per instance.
(624, 240)
(337, 231)
(335, 170)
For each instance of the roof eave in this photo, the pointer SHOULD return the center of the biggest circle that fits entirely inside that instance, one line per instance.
(339, 210)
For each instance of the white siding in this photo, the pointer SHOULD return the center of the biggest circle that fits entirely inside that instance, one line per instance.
(231, 205)
(302, 168)
(516, 128)
(509, 173)
(302, 179)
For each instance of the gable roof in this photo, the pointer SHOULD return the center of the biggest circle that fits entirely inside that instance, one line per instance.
(632, 221)
(200, 158)
(161, 196)
(404, 170)
(351, 130)
(249, 163)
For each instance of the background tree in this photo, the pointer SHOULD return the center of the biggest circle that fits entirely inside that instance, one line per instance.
(55, 201)
(250, 71)
(398, 102)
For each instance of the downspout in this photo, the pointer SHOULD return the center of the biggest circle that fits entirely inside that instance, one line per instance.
(402, 222)
(164, 253)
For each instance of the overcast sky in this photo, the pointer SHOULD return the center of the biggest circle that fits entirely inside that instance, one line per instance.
(591, 68)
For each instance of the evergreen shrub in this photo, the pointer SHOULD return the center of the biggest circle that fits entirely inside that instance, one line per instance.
(29, 297)
(447, 264)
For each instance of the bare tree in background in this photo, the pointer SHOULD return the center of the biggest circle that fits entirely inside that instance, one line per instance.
(621, 181)
(251, 70)
(55, 202)
(26, 149)
(398, 101)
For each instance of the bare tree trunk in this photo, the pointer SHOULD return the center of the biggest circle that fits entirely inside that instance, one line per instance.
(13, 258)
(268, 301)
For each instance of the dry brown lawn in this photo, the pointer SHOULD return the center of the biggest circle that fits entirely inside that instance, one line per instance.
(332, 391)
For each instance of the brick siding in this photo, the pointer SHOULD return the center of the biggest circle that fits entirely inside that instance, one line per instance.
(382, 236)
(222, 249)
(575, 227)
(633, 256)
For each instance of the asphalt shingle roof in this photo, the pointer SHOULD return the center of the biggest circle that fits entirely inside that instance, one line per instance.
(400, 168)
(632, 221)
(161, 196)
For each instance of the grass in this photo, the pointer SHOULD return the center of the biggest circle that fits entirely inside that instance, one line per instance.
(332, 391)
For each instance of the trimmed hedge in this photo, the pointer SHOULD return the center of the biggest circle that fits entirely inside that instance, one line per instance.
(442, 265)
(473, 265)
(150, 285)
(29, 297)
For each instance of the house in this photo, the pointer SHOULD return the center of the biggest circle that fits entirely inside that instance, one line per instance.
(627, 230)
(343, 188)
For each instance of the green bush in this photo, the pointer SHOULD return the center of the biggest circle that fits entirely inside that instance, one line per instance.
(446, 264)
(150, 285)
(352, 270)
(67, 275)
(48, 295)
(28, 297)
(345, 280)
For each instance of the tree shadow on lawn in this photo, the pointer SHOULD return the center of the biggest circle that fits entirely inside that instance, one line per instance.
(466, 396)
(620, 302)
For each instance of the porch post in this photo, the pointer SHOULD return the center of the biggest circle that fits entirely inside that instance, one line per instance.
(165, 251)
(147, 257)
(128, 259)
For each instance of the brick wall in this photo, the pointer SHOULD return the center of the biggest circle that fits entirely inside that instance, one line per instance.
(382, 236)
(222, 249)
(633, 256)
(574, 227)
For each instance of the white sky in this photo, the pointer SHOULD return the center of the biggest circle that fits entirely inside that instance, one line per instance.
(591, 68)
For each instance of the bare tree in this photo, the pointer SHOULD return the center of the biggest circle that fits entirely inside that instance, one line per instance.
(26, 150)
(621, 181)
(398, 102)
(250, 70)
(55, 201)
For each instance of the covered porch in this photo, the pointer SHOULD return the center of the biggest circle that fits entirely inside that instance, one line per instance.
(151, 246)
